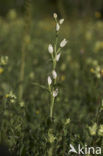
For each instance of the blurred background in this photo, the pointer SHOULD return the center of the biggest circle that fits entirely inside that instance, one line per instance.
(65, 8)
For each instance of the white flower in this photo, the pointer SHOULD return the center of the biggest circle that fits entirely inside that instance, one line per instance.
(61, 21)
(63, 43)
(55, 16)
(55, 93)
(49, 80)
(54, 74)
(58, 57)
(3, 60)
(50, 48)
(57, 27)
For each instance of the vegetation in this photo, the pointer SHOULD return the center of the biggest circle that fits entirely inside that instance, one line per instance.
(67, 8)
(29, 125)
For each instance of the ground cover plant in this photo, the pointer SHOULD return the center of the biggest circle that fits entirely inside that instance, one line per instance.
(50, 96)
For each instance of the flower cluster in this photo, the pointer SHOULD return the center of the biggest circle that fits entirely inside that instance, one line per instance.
(3, 62)
(94, 129)
(55, 53)
(11, 96)
(98, 71)
(91, 61)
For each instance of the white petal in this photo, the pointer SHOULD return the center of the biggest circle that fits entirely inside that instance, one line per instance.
(61, 21)
(49, 80)
(57, 27)
(55, 15)
(54, 74)
(50, 48)
(63, 43)
(55, 93)
(58, 57)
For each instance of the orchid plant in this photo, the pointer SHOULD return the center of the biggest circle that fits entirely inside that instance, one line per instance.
(55, 53)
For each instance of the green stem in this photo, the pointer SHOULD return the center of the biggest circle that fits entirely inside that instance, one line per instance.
(54, 64)
(56, 41)
(51, 107)
(20, 94)
(54, 67)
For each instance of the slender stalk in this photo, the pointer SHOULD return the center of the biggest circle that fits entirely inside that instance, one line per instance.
(24, 47)
(22, 73)
(55, 55)
(51, 107)
(52, 82)
(54, 68)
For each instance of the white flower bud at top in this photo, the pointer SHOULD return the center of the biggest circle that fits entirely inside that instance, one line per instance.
(55, 93)
(49, 80)
(58, 57)
(63, 43)
(54, 74)
(50, 48)
(55, 16)
(57, 27)
(61, 21)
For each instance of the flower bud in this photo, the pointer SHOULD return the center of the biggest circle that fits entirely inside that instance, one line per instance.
(61, 21)
(57, 27)
(58, 57)
(63, 43)
(55, 93)
(50, 48)
(54, 74)
(49, 80)
(55, 16)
